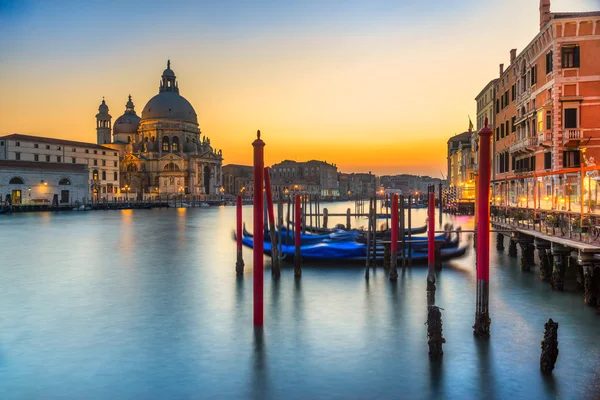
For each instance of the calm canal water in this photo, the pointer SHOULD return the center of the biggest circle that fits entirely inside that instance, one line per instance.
(146, 304)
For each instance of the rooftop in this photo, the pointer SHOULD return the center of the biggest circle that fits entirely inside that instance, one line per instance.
(575, 14)
(42, 139)
(465, 136)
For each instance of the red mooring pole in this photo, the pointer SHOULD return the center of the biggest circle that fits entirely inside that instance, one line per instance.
(297, 233)
(482, 318)
(274, 260)
(259, 232)
(431, 241)
(239, 265)
(394, 244)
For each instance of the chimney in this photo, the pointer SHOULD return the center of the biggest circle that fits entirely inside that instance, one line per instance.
(501, 69)
(544, 13)
(513, 55)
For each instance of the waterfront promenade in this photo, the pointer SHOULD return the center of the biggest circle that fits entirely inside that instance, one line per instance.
(146, 304)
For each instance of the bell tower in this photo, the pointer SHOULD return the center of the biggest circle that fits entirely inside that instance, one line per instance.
(103, 124)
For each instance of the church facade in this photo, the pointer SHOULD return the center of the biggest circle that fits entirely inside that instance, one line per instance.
(162, 152)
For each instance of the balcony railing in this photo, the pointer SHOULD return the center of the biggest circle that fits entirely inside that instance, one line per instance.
(572, 133)
(524, 145)
(572, 136)
(545, 139)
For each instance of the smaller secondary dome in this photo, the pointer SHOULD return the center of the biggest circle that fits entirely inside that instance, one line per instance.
(128, 122)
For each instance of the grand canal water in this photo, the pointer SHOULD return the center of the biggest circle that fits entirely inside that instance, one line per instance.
(146, 304)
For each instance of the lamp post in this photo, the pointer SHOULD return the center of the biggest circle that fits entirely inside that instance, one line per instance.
(126, 189)
(181, 196)
(222, 190)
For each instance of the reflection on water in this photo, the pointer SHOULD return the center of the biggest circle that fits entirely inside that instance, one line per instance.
(146, 304)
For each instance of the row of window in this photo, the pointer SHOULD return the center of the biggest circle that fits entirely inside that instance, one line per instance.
(74, 149)
(48, 158)
(504, 163)
(20, 181)
(96, 175)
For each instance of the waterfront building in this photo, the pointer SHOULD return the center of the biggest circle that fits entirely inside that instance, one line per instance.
(505, 128)
(311, 177)
(485, 100)
(41, 183)
(162, 152)
(549, 111)
(237, 178)
(407, 184)
(359, 184)
(460, 165)
(102, 162)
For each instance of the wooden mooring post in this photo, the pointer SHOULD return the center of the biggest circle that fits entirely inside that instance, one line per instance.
(275, 271)
(239, 265)
(394, 244)
(258, 246)
(481, 328)
(440, 203)
(402, 232)
(298, 232)
(431, 242)
(374, 232)
(368, 248)
(409, 218)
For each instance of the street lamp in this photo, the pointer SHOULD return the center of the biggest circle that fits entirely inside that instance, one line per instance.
(222, 190)
(181, 196)
(126, 189)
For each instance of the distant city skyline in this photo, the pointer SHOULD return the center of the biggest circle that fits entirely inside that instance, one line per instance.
(371, 86)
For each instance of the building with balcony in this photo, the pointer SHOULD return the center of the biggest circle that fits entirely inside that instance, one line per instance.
(549, 101)
(101, 162)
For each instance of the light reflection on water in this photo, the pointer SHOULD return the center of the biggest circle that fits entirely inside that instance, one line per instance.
(146, 304)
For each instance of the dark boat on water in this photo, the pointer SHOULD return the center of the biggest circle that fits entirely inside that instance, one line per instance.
(351, 251)
(355, 251)
(341, 227)
(287, 238)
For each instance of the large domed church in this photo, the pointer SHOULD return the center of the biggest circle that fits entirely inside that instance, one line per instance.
(163, 151)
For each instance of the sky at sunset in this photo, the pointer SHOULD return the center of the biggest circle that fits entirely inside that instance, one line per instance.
(369, 85)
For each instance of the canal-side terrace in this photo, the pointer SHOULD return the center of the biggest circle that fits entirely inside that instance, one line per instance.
(563, 239)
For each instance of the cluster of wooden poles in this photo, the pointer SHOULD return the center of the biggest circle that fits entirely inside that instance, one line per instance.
(262, 181)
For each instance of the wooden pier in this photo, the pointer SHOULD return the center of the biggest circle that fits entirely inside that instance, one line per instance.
(559, 237)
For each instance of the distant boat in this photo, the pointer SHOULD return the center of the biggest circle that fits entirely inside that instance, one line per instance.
(82, 207)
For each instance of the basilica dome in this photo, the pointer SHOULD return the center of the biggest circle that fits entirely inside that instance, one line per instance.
(129, 122)
(168, 103)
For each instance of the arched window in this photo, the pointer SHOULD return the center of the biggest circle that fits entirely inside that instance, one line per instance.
(171, 167)
(131, 168)
(64, 181)
(16, 181)
(103, 175)
(165, 143)
(95, 175)
(175, 145)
